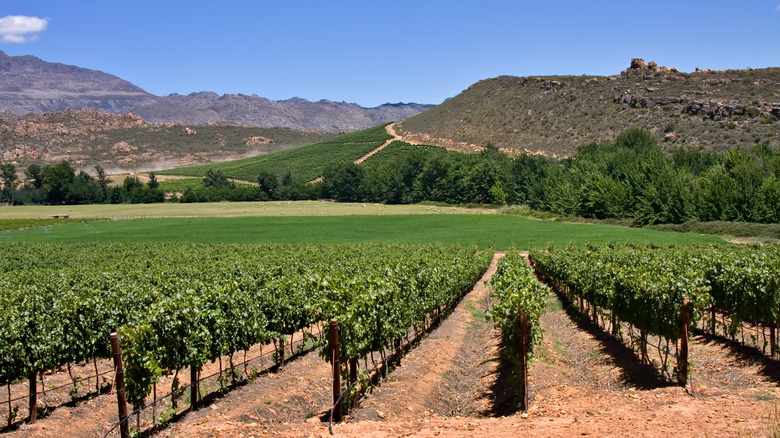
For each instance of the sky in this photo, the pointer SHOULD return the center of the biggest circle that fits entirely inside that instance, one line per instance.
(371, 52)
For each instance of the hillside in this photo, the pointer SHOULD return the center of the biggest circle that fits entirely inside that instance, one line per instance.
(127, 143)
(555, 114)
(29, 84)
(304, 163)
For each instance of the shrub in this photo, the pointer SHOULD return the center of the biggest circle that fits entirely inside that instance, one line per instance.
(752, 111)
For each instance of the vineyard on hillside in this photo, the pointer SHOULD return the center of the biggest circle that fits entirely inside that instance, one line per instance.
(306, 162)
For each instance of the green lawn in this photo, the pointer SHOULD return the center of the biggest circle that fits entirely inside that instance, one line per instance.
(501, 231)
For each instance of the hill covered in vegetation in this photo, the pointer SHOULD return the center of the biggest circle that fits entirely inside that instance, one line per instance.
(553, 115)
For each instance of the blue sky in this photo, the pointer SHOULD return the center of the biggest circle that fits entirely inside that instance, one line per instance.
(375, 52)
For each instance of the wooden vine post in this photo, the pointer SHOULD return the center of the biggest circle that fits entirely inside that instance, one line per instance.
(281, 351)
(353, 373)
(333, 344)
(772, 338)
(194, 388)
(119, 381)
(712, 319)
(353, 370)
(682, 361)
(614, 324)
(524, 363)
(397, 348)
(33, 399)
(10, 410)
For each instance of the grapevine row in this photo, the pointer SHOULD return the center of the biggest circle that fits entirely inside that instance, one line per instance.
(647, 286)
(518, 294)
(518, 307)
(178, 306)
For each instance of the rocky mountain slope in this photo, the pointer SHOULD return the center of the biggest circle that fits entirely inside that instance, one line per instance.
(554, 115)
(121, 143)
(29, 84)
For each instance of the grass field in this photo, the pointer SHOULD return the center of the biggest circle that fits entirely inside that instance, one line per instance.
(319, 222)
(224, 209)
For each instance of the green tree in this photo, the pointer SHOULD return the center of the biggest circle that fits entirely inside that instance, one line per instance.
(268, 182)
(603, 197)
(562, 192)
(35, 176)
(528, 173)
(59, 180)
(694, 160)
(8, 175)
(341, 182)
(103, 181)
(768, 205)
(483, 178)
(131, 183)
(287, 178)
(84, 190)
(9, 180)
(152, 184)
(718, 195)
(216, 178)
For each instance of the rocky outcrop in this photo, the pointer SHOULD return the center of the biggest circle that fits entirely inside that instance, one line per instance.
(639, 65)
(638, 101)
(256, 141)
(711, 109)
(66, 123)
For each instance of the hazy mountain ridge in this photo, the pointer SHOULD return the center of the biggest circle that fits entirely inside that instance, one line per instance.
(555, 114)
(29, 84)
(296, 113)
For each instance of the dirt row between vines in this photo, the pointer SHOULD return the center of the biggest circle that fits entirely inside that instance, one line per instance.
(583, 382)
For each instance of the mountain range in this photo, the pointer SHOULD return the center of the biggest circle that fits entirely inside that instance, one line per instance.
(549, 115)
(29, 84)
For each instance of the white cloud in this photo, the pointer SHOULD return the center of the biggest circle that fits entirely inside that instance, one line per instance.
(777, 8)
(19, 29)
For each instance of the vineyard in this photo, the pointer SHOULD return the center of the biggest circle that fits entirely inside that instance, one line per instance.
(182, 307)
(665, 291)
(306, 162)
(178, 306)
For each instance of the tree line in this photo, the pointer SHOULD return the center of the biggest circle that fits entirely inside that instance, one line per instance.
(631, 178)
(59, 184)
